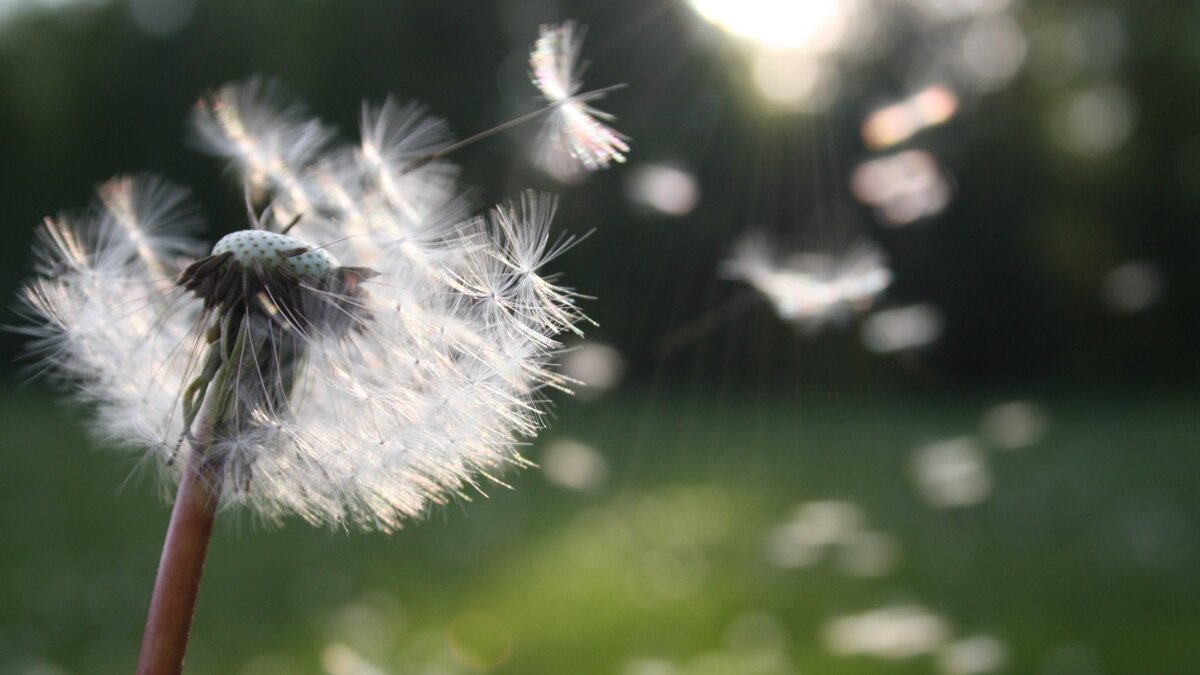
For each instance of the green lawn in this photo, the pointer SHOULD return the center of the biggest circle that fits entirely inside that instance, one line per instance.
(1084, 558)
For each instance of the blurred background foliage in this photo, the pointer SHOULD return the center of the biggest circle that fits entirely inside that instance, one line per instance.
(1045, 213)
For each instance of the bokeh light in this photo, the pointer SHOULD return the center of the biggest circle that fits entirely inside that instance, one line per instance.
(898, 122)
(898, 632)
(901, 329)
(903, 187)
(664, 188)
(573, 465)
(1132, 287)
(952, 473)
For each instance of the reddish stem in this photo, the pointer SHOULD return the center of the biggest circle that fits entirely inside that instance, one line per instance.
(179, 571)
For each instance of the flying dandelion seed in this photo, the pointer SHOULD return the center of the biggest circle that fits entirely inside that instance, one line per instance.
(811, 291)
(574, 126)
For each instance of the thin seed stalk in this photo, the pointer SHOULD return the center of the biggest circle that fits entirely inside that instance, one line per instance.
(179, 570)
(177, 584)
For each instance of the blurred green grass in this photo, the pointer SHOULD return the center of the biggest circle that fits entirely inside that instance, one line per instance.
(1082, 561)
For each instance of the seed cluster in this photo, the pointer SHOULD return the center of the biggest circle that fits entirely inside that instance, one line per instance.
(255, 272)
(270, 249)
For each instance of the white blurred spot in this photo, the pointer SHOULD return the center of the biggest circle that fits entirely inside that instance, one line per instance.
(829, 522)
(951, 473)
(902, 328)
(1132, 287)
(796, 80)
(1014, 425)
(898, 122)
(892, 633)
(667, 189)
(573, 465)
(161, 18)
(902, 187)
(791, 547)
(1095, 120)
(802, 540)
(972, 656)
(868, 554)
(993, 50)
(811, 290)
(807, 25)
(598, 366)
(339, 659)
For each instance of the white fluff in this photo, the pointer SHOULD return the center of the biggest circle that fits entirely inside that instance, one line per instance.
(435, 390)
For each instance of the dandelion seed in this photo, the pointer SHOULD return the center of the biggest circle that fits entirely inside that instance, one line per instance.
(573, 125)
(811, 291)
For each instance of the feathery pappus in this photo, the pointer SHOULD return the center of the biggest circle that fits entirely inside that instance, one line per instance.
(810, 290)
(574, 126)
(364, 350)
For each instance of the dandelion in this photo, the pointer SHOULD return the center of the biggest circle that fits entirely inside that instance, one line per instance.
(573, 125)
(363, 351)
(811, 290)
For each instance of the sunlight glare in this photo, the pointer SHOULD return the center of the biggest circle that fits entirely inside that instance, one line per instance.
(811, 25)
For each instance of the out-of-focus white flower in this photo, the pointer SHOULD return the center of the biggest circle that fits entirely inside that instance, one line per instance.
(573, 125)
(598, 367)
(952, 473)
(350, 383)
(899, 632)
(811, 290)
(1132, 287)
(902, 329)
(1014, 425)
(664, 188)
(574, 465)
(972, 656)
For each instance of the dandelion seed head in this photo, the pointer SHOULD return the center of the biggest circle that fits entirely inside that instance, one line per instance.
(367, 351)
